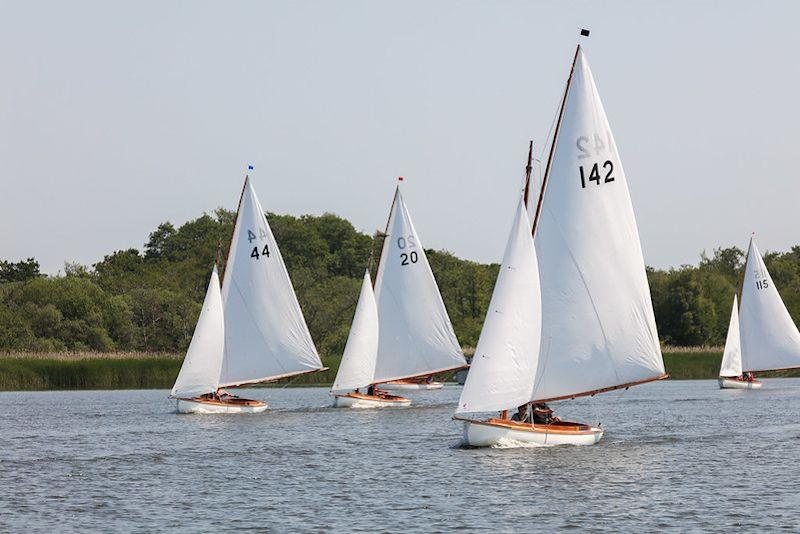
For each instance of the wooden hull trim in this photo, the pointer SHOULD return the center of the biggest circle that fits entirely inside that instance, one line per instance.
(361, 400)
(213, 406)
(492, 432)
(423, 375)
(404, 385)
(733, 383)
(603, 390)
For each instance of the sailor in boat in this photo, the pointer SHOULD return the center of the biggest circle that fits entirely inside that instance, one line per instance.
(543, 415)
(522, 414)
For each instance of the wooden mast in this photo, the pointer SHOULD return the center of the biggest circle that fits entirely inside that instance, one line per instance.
(528, 169)
(555, 140)
(233, 230)
(385, 233)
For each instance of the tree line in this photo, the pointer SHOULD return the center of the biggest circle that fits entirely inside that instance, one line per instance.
(149, 299)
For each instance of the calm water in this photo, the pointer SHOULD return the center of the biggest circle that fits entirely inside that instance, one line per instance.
(677, 455)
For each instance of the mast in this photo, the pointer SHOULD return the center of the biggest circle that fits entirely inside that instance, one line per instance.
(528, 169)
(385, 234)
(555, 136)
(233, 229)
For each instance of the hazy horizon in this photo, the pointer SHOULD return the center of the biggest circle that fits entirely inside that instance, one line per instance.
(117, 117)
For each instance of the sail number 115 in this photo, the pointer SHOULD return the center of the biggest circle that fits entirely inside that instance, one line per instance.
(594, 174)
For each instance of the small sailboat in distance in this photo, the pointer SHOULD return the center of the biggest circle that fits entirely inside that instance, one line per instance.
(416, 338)
(598, 330)
(265, 335)
(730, 371)
(357, 368)
(770, 340)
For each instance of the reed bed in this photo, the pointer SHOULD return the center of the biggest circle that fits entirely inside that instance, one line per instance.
(143, 370)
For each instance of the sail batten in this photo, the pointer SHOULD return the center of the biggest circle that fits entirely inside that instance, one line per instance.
(598, 325)
(266, 336)
(416, 337)
(770, 341)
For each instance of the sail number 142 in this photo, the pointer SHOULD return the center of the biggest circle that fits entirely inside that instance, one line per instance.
(594, 174)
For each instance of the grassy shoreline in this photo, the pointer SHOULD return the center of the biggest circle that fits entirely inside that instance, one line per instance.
(65, 371)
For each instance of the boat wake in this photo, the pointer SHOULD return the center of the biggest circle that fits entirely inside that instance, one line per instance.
(507, 443)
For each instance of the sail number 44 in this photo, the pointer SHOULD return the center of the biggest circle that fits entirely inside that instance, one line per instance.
(257, 251)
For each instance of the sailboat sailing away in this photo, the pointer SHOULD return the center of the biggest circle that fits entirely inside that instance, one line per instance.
(598, 330)
(415, 338)
(767, 337)
(730, 371)
(265, 335)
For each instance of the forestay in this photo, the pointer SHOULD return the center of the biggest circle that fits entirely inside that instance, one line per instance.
(770, 339)
(358, 361)
(504, 366)
(199, 373)
(266, 336)
(732, 357)
(416, 337)
(598, 326)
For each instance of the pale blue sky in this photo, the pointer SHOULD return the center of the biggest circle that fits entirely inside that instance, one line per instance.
(117, 116)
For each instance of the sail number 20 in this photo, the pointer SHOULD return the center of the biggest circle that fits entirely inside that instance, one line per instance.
(594, 173)
(409, 242)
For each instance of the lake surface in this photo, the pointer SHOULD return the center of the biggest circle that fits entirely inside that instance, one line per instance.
(677, 455)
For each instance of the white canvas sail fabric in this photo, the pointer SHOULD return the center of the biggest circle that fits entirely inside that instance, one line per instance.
(199, 373)
(504, 366)
(770, 339)
(598, 326)
(358, 361)
(732, 357)
(266, 336)
(416, 336)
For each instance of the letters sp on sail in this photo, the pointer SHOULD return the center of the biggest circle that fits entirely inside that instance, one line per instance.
(732, 357)
(357, 367)
(504, 366)
(266, 336)
(199, 373)
(416, 336)
(598, 326)
(769, 337)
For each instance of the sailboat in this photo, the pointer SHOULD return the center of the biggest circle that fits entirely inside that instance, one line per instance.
(730, 371)
(770, 340)
(357, 368)
(415, 336)
(265, 335)
(598, 330)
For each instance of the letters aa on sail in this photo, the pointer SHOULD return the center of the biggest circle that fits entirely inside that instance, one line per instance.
(770, 340)
(416, 337)
(504, 366)
(358, 361)
(732, 357)
(598, 326)
(266, 336)
(199, 373)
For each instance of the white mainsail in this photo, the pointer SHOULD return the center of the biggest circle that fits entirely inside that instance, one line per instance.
(770, 339)
(416, 336)
(598, 326)
(266, 336)
(504, 366)
(732, 357)
(358, 361)
(199, 373)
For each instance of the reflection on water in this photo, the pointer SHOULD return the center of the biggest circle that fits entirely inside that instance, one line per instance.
(675, 455)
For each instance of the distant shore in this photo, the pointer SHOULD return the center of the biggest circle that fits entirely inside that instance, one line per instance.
(136, 370)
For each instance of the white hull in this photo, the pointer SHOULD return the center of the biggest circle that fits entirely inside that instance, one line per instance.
(194, 406)
(366, 401)
(731, 383)
(488, 433)
(408, 386)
